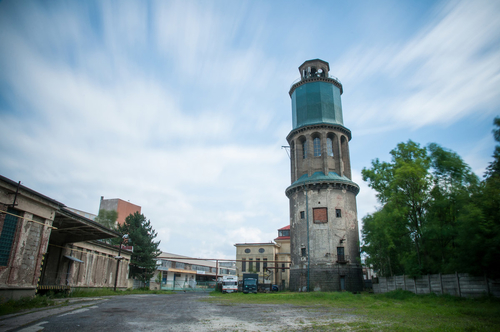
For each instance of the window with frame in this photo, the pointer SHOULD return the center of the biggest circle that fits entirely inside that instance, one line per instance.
(340, 254)
(304, 149)
(264, 264)
(257, 265)
(250, 264)
(338, 213)
(283, 266)
(320, 215)
(329, 146)
(7, 236)
(302, 214)
(317, 147)
(284, 233)
(243, 265)
(303, 252)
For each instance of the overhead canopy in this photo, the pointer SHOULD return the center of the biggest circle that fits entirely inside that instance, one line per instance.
(73, 258)
(72, 227)
(181, 271)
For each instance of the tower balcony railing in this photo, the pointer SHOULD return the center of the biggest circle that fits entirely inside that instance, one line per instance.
(342, 259)
(300, 79)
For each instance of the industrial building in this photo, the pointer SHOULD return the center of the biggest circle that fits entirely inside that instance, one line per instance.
(179, 272)
(46, 246)
(123, 208)
(269, 260)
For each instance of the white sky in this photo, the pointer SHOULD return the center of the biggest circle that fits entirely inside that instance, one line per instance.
(182, 107)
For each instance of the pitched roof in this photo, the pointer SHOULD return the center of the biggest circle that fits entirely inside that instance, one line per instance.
(286, 228)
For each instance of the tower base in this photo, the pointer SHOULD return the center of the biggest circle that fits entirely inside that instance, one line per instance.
(341, 277)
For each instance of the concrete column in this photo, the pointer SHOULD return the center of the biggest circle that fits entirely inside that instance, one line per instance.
(324, 153)
(340, 158)
(310, 154)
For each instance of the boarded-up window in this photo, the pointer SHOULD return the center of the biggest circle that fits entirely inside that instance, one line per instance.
(320, 215)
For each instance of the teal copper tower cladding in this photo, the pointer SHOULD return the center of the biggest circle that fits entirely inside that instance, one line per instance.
(324, 242)
(316, 97)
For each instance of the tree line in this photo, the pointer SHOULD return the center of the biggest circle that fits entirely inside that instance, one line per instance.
(436, 215)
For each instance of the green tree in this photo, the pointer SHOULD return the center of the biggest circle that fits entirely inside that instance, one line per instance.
(454, 185)
(479, 232)
(107, 218)
(142, 235)
(384, 236)
(494, 166)
(403, 188)
(426, 196)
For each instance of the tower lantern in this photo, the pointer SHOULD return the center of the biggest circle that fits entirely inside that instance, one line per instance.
(323, 217)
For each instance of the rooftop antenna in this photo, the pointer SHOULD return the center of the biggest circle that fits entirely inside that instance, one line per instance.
(287, 149)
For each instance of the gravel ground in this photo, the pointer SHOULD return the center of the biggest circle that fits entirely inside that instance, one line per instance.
(180, 312)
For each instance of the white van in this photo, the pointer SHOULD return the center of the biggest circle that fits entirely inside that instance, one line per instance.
(229, 284)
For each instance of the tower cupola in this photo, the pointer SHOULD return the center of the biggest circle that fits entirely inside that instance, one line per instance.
(316, 96)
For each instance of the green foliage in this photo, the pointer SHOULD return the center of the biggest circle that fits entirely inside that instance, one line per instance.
(142, 235)
(480, 227)
(25, 303)
(436, 216)
(403, 188)
(107, 218)
(494, 166)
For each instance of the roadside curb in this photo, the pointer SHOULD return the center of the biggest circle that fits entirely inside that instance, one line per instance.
(20, 319)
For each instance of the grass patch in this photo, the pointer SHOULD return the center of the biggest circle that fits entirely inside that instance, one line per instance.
(25, 303)
(394, 311)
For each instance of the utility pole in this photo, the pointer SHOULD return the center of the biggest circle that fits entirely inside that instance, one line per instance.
(118, 258)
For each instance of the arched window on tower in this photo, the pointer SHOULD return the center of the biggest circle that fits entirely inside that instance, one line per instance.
(329, 147)
(317, 147)
(304, 149)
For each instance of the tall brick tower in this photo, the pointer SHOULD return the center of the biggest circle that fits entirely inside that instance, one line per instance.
(323, 219)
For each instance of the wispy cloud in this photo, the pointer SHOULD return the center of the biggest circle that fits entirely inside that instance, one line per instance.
(434, 77)
(182, 106)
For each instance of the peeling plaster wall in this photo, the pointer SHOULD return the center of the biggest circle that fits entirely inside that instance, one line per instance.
(20, 276)
(97, 270)
(324, 239)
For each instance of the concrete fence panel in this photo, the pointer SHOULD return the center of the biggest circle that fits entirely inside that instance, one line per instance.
(458, 284)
